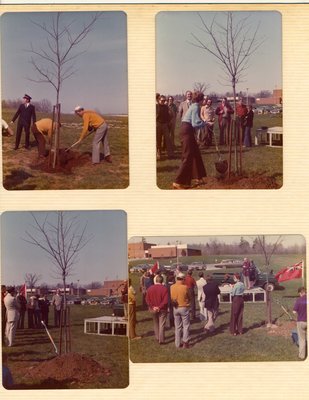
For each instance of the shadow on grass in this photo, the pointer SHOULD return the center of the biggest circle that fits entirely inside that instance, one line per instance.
(16, 178)
(168, 168)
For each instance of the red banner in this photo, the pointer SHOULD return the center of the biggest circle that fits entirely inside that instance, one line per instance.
(289, 273)
(154, 268)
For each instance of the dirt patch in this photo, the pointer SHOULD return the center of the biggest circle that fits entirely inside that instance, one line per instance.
(71, 369)
(68, 160)
(283, 329)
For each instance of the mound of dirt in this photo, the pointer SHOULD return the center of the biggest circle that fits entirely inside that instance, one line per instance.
(70, 367)
(68, 160)
(283, 329)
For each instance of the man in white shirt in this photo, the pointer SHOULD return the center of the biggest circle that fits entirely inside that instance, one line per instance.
(12, 315)
(200, 283)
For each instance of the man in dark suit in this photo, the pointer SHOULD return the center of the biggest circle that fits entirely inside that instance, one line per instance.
(26, 113)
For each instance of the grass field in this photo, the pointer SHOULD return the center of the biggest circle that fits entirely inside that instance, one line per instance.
(258, 343)
(33, 347)
(21, 170)
(262, 165)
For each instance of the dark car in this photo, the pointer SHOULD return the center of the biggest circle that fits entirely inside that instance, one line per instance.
(262, 279)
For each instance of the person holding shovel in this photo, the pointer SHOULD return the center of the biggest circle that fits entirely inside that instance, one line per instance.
(94, 122)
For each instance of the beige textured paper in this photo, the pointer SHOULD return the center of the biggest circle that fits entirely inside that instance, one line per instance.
(215, 212)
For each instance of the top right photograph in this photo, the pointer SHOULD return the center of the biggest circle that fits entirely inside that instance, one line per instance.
(219, 100)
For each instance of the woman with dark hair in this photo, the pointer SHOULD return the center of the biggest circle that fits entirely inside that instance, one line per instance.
(237, 309)
(192, 166)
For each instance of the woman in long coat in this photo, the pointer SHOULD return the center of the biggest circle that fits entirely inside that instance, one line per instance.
(192, 166)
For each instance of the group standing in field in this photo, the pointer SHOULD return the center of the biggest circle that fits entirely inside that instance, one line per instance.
(44, 130)
(170, 297)
(16, 306)
(197, 118)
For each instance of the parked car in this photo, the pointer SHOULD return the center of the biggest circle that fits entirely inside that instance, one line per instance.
(197, 266)
(229, 263)
(140, 268)
(263, 280)
(77, 300)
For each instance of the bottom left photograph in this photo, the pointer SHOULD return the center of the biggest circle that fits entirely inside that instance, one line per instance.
(63, 304)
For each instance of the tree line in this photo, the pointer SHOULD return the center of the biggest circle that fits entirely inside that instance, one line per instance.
(243, 247)
(43, 105)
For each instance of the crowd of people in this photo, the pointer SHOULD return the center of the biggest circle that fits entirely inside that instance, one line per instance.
(197, 118)
(171, 298)
(43, 130)
(15, 306)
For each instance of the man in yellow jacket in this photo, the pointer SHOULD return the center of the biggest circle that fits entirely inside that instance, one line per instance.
(42, 131)
(93, 121)
(180, 297)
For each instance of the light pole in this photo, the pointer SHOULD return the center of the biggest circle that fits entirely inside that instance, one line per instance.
(177, 253)
(77, 287)
(247, 97)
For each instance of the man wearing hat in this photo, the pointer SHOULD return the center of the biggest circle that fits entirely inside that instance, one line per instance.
(94, 121)
(26, 113)
(180, 297)
(12, 315)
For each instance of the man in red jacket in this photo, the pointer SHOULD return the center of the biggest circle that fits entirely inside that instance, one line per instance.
(157, 300)
(191, 284)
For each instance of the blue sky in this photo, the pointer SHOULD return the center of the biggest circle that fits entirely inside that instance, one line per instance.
(180, 64)
(101, 79)
(104, 257)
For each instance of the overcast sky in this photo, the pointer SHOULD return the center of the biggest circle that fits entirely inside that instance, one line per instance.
(101, 78)
(180, 64)
(287, 240)
(103, 258)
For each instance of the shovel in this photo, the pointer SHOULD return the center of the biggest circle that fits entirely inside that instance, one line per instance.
(49, 335)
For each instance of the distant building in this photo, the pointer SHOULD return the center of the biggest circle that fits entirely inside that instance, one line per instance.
(275, 99)
(139, 250)
(109, 288)
(172, 251)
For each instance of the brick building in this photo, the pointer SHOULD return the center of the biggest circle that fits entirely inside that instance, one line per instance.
(109, 288)
(139, 250)
(172, 251)
(275, 99)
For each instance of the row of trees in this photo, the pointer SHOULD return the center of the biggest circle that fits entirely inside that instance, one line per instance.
(43, 105)
(204, 88)
(32, 280)
(243, 247)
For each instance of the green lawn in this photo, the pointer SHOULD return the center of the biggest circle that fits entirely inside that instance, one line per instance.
(258, 343)
(33, 346)
(22, 172)
(262, 166)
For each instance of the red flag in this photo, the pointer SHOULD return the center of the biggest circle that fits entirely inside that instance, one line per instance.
(154, 268)
(289, 273)
(23, 290)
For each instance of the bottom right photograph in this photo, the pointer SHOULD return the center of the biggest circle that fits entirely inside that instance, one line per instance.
(217, 298)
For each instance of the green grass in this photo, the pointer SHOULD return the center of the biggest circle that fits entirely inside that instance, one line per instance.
(33, 347)
(261, 164)
(21, 171)
(256, 344)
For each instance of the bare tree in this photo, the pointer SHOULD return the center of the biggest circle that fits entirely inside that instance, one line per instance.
(55, 62)
(31, 279)
(201, 87)
(62, 241)
(232, 44)
(268, 250)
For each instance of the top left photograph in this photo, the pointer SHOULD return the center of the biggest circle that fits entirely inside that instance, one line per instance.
(64, 100)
